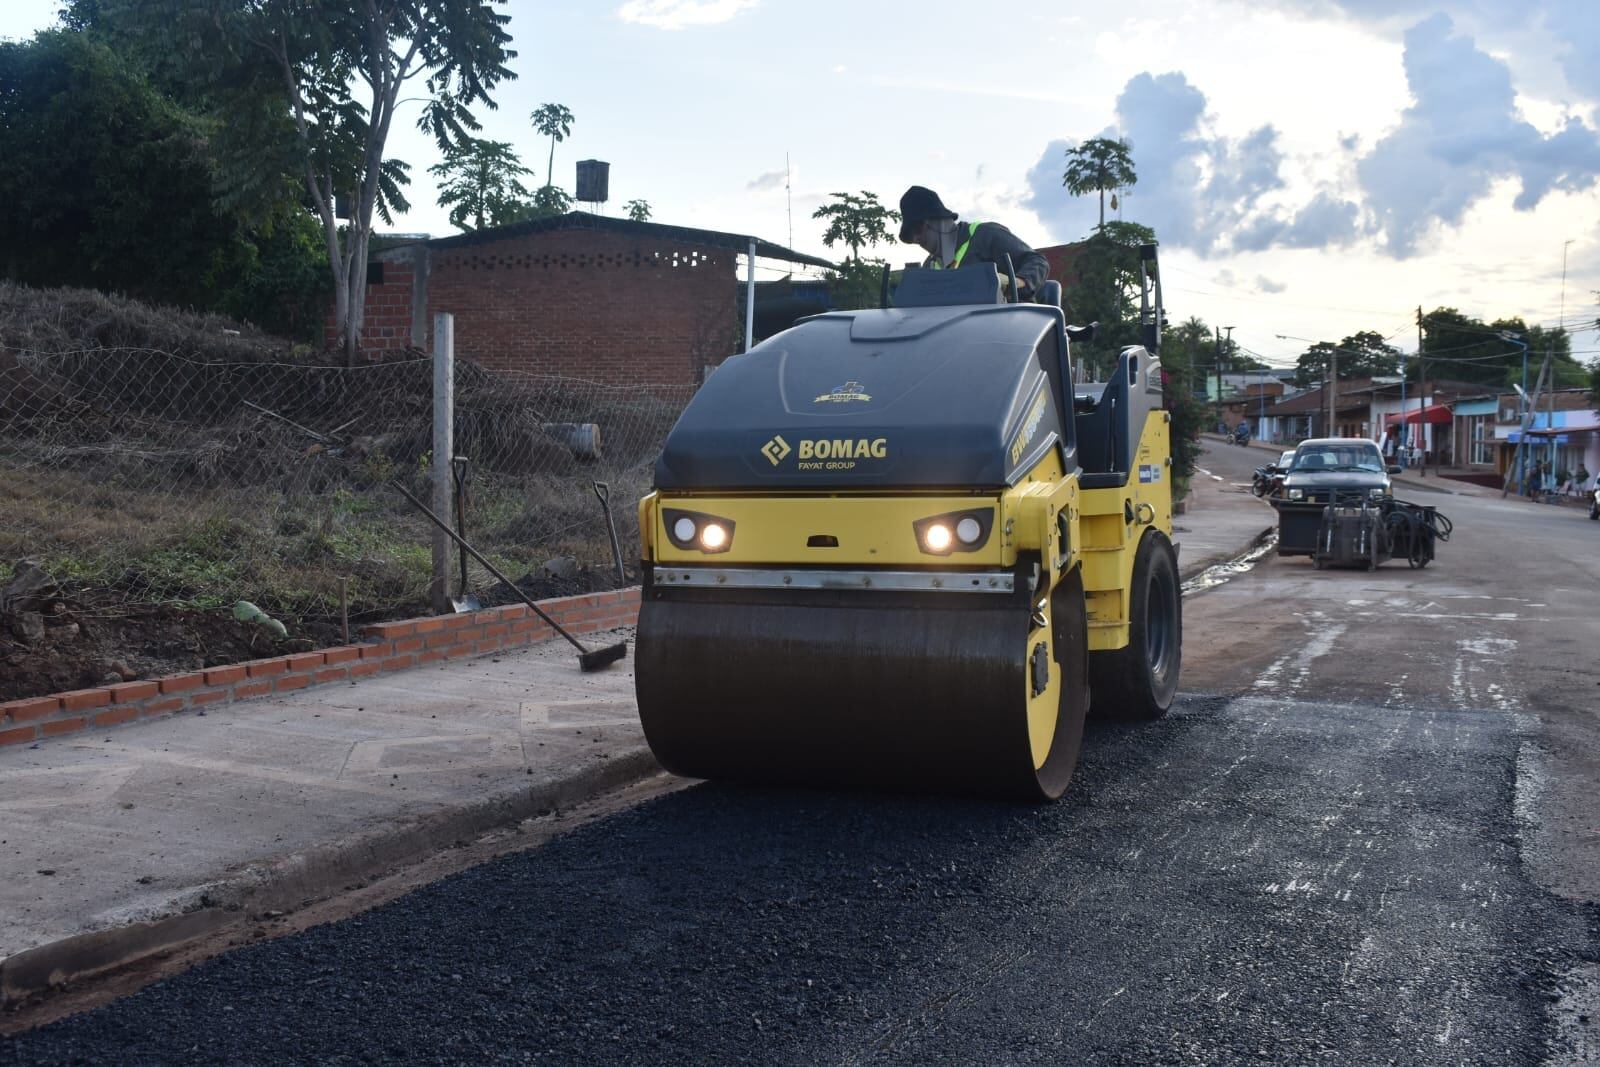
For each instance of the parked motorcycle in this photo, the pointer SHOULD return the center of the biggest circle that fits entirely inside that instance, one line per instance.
(1268, 480)
(1594, 500)
(1261, 480)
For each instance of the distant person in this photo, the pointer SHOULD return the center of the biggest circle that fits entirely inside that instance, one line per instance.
(925, 221)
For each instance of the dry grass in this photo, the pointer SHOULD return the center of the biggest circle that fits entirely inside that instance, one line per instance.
(155, 456)
(53, 321)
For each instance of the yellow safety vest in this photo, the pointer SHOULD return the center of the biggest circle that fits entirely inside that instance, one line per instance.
(961, 249)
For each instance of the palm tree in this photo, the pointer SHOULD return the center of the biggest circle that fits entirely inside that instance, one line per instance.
(1096, 165)
(555, 122)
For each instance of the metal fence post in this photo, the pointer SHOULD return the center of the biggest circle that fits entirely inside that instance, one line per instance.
(444, 367)
(750, 297)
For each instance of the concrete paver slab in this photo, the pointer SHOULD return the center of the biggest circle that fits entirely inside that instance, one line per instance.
(152, 820)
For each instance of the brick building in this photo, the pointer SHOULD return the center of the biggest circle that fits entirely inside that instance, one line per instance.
(609, 300)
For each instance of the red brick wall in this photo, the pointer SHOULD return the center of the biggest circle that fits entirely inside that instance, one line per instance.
(603, 306)
(1063, 260)
(386, 323)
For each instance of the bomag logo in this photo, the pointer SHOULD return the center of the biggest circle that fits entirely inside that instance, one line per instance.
(844, 448)
(775, 450)
(1030, 426)
(839, 453)
(826, 453)
(844, 394)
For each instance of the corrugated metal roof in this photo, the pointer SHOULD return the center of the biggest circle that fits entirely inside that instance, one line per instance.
(583, 220)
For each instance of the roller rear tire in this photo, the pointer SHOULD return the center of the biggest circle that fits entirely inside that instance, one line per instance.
(1138, 683)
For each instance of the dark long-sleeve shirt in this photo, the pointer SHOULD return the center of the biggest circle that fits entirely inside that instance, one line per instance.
(991, 243)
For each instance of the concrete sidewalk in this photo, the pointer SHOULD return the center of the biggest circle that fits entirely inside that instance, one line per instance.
(1220, 521)
(124, 842)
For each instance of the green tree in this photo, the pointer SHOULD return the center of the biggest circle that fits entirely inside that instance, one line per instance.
(312, 86)
(548, 202)
(1097, 165)
(1464, 348)
(1106, 291)
(638, 210)
(858, 283)
(1186, 350)
(555, 122)
(104, 182)
(856, 221)
(1361, 355)
(479, 183)
(284, 289)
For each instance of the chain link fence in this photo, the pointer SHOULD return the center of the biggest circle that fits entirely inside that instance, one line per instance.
(137, 477)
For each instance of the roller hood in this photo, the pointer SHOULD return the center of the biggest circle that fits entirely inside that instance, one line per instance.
(916, 397)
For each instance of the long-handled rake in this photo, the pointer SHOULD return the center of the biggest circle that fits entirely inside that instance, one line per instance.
(587, 660)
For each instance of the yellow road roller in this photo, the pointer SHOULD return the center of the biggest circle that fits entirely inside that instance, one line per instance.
(903, 548)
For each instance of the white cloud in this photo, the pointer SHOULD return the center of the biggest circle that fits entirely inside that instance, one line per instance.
(1267, 285)
(1549, 35)
(677, 14)
(1197, 188)
(1462, 133)
(772, 179)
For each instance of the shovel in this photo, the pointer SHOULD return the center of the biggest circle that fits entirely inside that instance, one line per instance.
(603, 491)
(587, 660)
(460, 469)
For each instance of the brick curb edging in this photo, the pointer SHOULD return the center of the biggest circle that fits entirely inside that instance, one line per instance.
(389, 646)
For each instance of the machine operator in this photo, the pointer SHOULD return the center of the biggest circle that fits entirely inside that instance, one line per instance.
(925, 221)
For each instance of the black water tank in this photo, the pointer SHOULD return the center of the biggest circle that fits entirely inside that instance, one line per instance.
(594, 180)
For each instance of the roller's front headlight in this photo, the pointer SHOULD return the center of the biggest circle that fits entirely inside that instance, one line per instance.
(958, 531)
(1297, 494)
(1377, 490)
(697, 531)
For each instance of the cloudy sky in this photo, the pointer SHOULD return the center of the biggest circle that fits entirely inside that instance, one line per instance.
(1312, 167)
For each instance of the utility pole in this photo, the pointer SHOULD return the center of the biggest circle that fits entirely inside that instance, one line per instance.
(1261, 404)
(1422, 410)
(1333, 393)
(1550, 404)
(1530, 407)
(1420, 375)
(1227, 344)
(1562, 322)
(1217, 330)
(1522, 402)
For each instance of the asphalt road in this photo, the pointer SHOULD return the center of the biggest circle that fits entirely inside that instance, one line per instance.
(1365, 835)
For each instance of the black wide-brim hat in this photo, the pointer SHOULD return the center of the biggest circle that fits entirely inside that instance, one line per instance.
(918, 206)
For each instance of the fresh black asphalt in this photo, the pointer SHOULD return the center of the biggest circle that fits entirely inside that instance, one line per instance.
(1249, 880)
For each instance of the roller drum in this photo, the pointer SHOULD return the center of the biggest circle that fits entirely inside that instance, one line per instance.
(917, 691)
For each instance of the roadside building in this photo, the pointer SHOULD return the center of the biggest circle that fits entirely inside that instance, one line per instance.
(581, 295)
(1305, 415)
(1250, 404)
(1565, 431)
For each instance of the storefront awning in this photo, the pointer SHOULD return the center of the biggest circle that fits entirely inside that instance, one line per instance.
(1433, 414)
(1537, 437)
